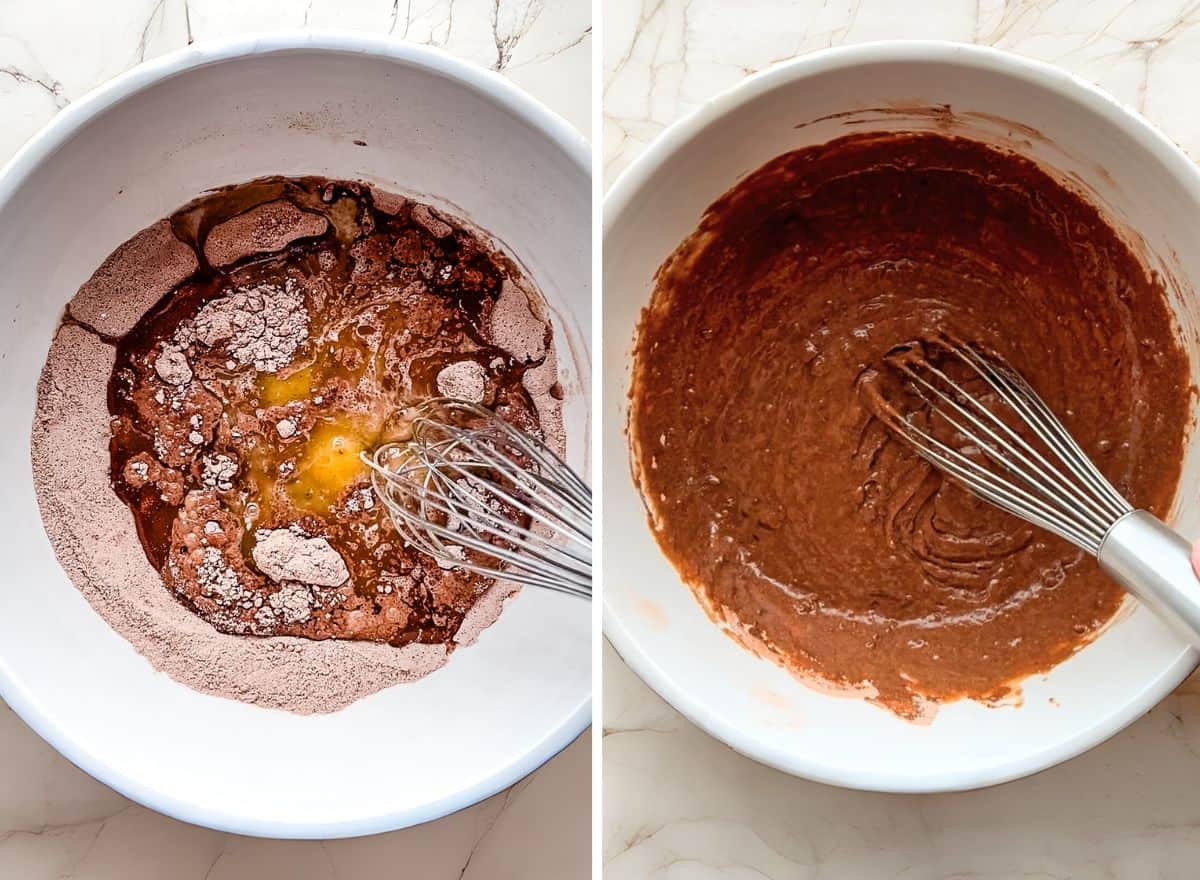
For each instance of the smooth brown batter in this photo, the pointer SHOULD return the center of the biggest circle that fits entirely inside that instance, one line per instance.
(318, 313)
(798, 518)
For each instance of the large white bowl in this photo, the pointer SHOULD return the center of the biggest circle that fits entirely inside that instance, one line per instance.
(132, 152)
(1141, 180)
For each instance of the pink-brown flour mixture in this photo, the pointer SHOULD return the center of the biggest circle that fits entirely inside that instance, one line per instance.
(200, 419)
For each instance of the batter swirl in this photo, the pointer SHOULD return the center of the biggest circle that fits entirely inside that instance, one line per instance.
(799, 519)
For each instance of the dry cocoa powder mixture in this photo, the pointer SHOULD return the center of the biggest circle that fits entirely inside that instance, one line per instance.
(201, 414)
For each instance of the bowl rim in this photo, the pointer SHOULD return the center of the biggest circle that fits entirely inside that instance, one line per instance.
(692, 126)
(492, 86)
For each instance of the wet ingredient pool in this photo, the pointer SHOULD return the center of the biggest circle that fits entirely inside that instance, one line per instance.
(319, 314)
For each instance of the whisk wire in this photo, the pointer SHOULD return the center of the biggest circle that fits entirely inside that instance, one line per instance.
(1011, 493)
(535, 488)
(1050, 482)
(468, 542)
(417, 529)
(542, 550)
(471, 518)
(1003, 494)
(1011, 454)
(475, 514)
(476, 493)
(543, 460)
(1067, 496)
(1035, 410)
(575, 491)
(536, 512)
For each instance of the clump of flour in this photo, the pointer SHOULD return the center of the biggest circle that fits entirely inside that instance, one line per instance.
(514, 326)
(434, 225)
(172, 366)
(262, 325)
(264, 229)
(290, 555)
(465, 380)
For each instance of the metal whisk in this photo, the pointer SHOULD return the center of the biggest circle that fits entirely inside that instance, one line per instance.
(1018, 455)
(472, 491)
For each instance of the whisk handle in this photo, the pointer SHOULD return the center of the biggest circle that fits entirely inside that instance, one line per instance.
(1153, 563)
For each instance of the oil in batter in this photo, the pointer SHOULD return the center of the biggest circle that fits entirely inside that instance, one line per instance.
(320, 313)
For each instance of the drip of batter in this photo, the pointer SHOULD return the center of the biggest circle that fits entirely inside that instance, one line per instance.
(801, 522)
(314, 314)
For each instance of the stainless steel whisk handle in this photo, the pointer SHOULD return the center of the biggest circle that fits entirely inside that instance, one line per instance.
(1153, 563)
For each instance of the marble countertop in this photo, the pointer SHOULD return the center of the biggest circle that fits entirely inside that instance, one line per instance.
(57, 822)
(678, 804)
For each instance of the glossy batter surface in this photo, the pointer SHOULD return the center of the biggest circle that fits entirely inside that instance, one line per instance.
(802, 523)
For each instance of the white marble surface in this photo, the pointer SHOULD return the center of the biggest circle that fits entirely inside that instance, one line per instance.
(55, 821)
(663, 58)
(678, 804)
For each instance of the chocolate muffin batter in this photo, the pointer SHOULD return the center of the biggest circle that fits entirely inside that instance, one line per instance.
(800, 520)
(315, 315)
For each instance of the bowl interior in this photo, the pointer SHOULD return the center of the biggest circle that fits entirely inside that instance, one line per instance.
(129, 156)
(1138, 179)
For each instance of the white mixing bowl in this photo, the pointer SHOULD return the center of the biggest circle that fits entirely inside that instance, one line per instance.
(1141, 180)
(132, 152)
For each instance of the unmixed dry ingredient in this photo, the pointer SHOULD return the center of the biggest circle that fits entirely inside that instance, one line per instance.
(231, 361)
(805, 527)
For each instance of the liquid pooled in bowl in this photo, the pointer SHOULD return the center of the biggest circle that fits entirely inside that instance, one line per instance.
(804, 526)
(242, 401)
